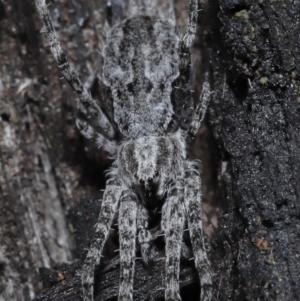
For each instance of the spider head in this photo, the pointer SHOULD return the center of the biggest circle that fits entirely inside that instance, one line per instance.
(148, 179)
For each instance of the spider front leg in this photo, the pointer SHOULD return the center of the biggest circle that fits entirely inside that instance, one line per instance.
(93, 112)
(127, 237)
(89, 133)
(192, 201)
(172, 225)
(108, 208)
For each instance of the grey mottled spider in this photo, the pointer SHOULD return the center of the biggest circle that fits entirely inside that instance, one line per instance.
(146, 81)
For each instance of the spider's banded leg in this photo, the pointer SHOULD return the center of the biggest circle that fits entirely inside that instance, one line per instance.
(172, 224)
(192, 201)
(108, 208)
(88, 132)
(148, 250)
(94, 113)
(127, 238)
(183, 97)
(201, 109)
(189, 37)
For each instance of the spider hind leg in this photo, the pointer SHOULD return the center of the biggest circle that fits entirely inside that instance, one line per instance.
(192, 201)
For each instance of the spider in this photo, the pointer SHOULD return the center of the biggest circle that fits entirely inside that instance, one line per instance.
(146, 85)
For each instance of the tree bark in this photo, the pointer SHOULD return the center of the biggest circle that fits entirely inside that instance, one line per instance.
(45, 166)
(50, 177)
(255, 119)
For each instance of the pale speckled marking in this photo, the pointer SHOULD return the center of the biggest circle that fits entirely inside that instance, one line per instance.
(200, 109)
(127, 238)
(192, 201)
(108, 208)
(189, 37)
(148, 250)
(140, 62)
(139, 160)
(88, 132)
(172, 225)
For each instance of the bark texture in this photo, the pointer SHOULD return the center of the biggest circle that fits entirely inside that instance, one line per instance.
(50, 177)
(45, 166)
(255, 119)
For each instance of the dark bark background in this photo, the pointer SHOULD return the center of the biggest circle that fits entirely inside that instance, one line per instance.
(50, 177)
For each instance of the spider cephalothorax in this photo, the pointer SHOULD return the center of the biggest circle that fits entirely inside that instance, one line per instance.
(146, 81)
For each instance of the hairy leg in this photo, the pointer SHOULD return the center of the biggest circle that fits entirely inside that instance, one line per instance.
(172, 224)
(88, 132)
(189, 37)
(192, 201)
(93, 112)
(148, 250)
(108, 208)
(127, 237)
(183, 97)
(201, 109)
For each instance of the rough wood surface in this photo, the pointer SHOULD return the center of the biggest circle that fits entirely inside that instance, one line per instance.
(255, 118)
(45, 166)
(50, 177)
(65, 284)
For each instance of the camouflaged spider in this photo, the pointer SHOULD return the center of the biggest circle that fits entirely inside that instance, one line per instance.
(146, 73)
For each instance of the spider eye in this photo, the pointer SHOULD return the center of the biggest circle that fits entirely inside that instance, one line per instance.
(156, 173)
(142, 181)
(150, 180)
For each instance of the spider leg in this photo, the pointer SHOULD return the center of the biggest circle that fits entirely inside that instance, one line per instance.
(89, 133)
(192, 201)
(144, 236)
(201, 109)
(94, 113)
(189, 37)
(184, 104)
(108, 208)
(127, 235)
(172, 224)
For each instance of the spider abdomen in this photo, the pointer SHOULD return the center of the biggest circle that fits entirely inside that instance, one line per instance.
(141, 61)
